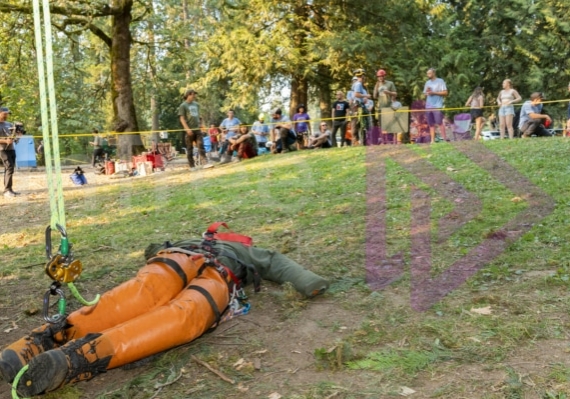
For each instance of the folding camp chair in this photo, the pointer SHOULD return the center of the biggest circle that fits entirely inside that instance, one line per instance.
(462, 127)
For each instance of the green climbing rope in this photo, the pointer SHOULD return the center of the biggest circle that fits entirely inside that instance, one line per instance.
(16, 381)
(80, 298)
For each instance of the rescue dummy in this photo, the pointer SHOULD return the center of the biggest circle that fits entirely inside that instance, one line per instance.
(185, 289)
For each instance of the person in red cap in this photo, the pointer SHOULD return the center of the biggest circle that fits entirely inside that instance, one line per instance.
(384, 93)
(7, 151)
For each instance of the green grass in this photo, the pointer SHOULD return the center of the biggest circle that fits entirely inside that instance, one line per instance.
(312, 206)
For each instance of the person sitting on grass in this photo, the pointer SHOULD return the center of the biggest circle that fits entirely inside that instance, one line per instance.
(283, 136)
(322, 138)
(245, 143)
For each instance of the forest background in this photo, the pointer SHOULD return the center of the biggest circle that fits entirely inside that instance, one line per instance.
(121, 65)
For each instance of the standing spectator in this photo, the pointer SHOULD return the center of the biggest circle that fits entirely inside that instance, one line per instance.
(339, 110)
(40, 151)
(350, 93)
(245, 144)
(283, 137)
(476, 102)
(97, 144)
(435, 91)
(230, 125)
(261, 131)
(189, 115)
(322, 138)
(384, 93)
(302, 123)
(532, 120)
(7, 152)
(213, 132)
(360, 96)
(507, 97)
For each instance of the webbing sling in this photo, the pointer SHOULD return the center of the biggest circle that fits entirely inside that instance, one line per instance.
(174, 266)
(212, 303)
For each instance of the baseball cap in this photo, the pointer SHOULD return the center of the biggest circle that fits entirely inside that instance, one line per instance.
(359, 72)
(4, 109)
(188, 92)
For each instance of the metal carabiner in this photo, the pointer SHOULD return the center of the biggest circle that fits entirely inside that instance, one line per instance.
(54, 290)
(64, 245)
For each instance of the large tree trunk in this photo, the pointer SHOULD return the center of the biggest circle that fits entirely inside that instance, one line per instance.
(299, 82)
(324, 87)
(121, 89)
(299, 93)
(153, 102)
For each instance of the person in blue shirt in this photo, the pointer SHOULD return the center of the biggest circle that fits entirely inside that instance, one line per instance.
(230, 125)
(360, 97)
(230, 128)
(435, 91)
(531, 121)
(261, 131)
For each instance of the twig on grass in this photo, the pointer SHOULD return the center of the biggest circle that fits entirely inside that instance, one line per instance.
(160, 386)
(156, 393)
(213, 370)
(223, 331)
(251, 321)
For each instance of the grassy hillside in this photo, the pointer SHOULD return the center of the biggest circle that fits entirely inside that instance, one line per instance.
(501, 334)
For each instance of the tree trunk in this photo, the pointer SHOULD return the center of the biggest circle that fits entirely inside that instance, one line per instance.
(299, 83)
(299, 93)
(121, 89)
(152, 62)
(324, 87)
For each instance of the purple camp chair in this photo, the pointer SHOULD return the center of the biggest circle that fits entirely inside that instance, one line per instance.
(462, 127)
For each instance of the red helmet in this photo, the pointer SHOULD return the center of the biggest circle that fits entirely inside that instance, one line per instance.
(381, 72)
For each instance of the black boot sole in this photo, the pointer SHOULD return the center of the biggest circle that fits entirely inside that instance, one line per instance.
(46, 372)
(10, 364)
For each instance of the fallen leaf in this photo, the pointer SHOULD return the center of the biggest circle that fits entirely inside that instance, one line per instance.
(486, 310)
(450, 169)
(242, 388)
(275, 395)
(14, 327)
(295, 352)
(405, 391)
(239, 362)
(516, 199)
(261, 352)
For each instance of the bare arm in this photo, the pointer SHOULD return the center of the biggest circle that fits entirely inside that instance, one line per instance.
(532, 115)
(184, 124)
(517, 97)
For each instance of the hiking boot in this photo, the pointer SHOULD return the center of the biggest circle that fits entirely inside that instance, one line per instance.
(21, 352)
(78, 360)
